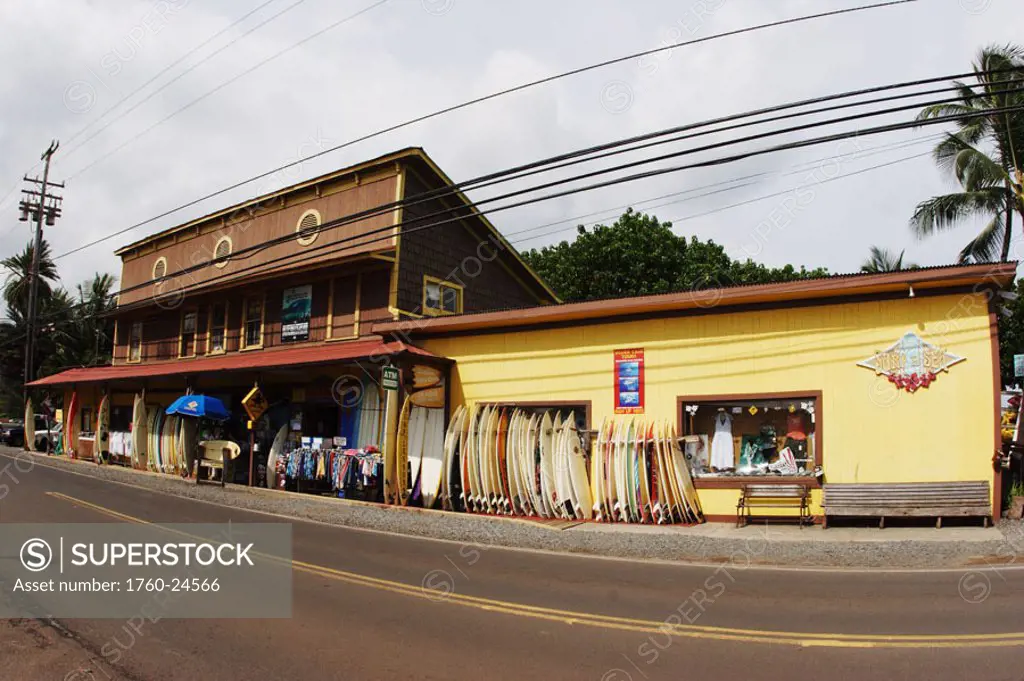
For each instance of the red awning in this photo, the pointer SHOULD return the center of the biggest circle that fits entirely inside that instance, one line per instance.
(236, 361)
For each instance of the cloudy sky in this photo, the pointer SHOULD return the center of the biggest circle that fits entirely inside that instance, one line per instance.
(70, 63)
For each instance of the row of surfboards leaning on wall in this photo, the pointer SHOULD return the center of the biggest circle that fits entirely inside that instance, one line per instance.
(506, 460)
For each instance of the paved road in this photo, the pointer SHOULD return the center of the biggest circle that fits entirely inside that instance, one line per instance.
(449, 611)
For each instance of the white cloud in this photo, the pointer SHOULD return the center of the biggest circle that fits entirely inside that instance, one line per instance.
(400, 61)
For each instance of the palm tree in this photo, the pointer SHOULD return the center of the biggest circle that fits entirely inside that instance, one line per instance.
(985, 155)
(19, 268)
(883, 260)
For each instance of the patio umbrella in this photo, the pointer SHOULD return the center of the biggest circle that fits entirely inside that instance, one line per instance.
(202, 406)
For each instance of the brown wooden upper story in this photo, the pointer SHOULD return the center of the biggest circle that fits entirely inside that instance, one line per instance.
(214, 285)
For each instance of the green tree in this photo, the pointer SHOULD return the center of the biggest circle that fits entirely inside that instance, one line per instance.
(985, 155)
(19, 268)
(883, 260)
(73, 330)
(639, 255)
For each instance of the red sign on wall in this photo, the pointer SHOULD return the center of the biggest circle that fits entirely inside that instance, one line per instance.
(629, 381)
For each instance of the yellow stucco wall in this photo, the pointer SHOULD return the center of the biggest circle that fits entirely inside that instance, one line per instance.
(871, 431)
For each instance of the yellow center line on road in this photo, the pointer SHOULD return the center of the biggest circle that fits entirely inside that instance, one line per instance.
(802, 639)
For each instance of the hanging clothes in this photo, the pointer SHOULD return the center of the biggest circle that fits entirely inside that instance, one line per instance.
(723, 454)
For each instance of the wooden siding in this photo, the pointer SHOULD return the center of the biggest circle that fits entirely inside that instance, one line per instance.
(461, 252)
(196, 246)
(161, 331)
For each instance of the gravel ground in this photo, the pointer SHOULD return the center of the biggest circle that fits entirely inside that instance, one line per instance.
(674, 543)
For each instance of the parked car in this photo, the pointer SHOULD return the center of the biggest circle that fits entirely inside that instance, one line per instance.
(47, 434)
(8, 429)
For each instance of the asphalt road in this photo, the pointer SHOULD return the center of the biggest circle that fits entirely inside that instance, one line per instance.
(450, 611)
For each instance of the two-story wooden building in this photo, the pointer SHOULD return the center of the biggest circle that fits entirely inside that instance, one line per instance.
(282, 291)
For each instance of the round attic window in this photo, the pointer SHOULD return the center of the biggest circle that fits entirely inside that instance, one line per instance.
(160, 268)
(221, 251)
(308, 227)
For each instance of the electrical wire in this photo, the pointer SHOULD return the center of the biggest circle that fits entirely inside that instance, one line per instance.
(379, 235)
(332, 224)
(491, 96)
(454, 189)
(170, 66)
(221, 86)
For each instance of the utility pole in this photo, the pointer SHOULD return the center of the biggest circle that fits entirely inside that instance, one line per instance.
(38, 205)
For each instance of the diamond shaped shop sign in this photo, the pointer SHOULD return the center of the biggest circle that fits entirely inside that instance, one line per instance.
(911, 362)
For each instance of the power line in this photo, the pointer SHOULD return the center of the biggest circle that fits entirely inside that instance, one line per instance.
(225, 83)
(479, 181)
(171, 66)
(479, 100)
(851, 134)
(615, 211)
(380, 235)
(555, 183)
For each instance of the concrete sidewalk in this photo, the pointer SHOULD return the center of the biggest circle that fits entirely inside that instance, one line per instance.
(773, 544)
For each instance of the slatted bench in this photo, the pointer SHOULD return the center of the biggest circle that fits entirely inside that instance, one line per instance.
(773, 496)
(925, 499)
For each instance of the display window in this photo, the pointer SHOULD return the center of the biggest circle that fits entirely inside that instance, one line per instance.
(758, 436)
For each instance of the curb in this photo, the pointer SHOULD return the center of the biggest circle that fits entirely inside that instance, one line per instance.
(670, 544)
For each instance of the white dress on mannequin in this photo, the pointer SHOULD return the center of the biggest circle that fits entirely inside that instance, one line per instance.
(722, 451)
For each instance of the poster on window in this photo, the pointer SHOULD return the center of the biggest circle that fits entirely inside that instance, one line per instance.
(295, 313)
(629, 381)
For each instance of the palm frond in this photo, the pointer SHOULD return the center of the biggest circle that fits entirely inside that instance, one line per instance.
(988, 245)
(948, 211)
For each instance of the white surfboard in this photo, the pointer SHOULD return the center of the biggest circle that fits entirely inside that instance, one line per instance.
(433, 461)
(276, 449)
(582, 499)
(140, 432)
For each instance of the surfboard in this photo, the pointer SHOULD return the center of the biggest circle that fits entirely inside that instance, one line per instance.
(72, 427)
(425, 376)
(683, 475)
(643, 475)
(102, 435)
(152, 415)
(526, 505)
(465, 443)
(492, 481)
(389, 446)
(583, 502)
(501, 450)
(512, 447)
(418, 417)
(30, 427)
(449, 471)
(190, 444)
(401, 481)
(433, 459)
(167, 431)
(467, 461)
(679, 512)
(547, 464)
(139, 431)
(476, 461)
(430, 398)
(276, 449)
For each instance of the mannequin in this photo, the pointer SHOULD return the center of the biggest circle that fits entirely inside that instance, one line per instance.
(722, 452)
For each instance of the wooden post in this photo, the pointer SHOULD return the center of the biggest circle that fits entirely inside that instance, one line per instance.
(252, 454)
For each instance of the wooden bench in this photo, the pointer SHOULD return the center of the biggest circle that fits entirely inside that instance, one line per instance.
(925, 499)
(215, 455)
(774, 496)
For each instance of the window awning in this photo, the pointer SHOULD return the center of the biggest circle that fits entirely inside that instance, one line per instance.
(239, 361)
